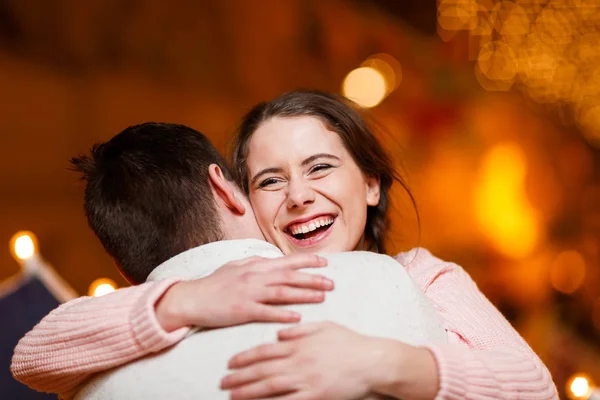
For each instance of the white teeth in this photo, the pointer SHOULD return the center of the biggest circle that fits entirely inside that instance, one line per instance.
(311, 226)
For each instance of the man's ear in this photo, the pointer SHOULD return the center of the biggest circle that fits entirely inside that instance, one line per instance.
(373, 190)
(224, 189)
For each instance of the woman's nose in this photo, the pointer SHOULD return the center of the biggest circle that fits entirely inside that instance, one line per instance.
(299, 195)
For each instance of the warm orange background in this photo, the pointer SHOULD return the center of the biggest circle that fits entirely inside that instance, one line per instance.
(507, 182)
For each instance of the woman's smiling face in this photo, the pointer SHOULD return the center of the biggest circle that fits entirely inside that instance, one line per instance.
(307, 192)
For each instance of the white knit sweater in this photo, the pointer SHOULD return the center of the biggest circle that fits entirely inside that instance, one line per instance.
(373, 295)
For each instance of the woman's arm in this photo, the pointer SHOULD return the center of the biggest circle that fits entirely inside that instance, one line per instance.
(92, 334)
(485, 357)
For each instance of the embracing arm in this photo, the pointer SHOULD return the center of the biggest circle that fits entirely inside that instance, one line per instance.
(92, 334)
(485, 356)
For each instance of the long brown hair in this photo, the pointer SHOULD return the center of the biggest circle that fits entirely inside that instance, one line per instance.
(342, 116)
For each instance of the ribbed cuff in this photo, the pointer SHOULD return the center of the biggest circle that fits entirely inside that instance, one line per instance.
(451, 372)
(146, 329)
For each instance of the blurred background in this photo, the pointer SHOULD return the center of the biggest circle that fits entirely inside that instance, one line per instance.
(489, 107)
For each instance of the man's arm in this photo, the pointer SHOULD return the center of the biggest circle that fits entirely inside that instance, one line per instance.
(92, 334)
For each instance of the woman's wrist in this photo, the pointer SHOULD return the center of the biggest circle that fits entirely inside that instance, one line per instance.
(168, 309)
(404, 371)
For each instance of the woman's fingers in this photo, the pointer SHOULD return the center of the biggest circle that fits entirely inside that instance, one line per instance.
(252, 373)
(260, 353)
(265, 388)
(269, 313)
(299, 331)
(291, 295)
(298, 394)
(297, 279)
(283, 271)
(292, 261)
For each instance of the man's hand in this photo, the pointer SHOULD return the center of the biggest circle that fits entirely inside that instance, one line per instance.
(244, 291)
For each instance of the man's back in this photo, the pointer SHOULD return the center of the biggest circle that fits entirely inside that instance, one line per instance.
(373, 295)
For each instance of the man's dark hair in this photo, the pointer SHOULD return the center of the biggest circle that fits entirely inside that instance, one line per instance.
(148, 196)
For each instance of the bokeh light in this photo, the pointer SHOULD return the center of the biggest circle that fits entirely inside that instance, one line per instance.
(502, 208)
(366, 86)
(388, 67)
(497, 61)
(102, 286)
(516, 22)
(553, 45)
(454, 15)
(567, 272)
(578, 386)
(23, 245)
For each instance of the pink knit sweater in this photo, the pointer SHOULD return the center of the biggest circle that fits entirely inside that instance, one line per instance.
(484, 359)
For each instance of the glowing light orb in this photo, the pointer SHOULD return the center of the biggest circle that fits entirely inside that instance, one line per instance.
(102, 286)
(23, 245)
(366, 86)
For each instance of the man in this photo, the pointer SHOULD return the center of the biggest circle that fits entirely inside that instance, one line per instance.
(162, 202)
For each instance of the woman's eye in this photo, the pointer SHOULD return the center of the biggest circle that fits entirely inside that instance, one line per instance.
(268, 182)
(320, 167)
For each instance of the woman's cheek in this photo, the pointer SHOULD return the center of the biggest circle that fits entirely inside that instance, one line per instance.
(265, 212)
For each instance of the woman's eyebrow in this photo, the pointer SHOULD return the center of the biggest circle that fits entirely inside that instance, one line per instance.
(317, 156)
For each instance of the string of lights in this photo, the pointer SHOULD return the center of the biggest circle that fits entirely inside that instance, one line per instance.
(25, 250)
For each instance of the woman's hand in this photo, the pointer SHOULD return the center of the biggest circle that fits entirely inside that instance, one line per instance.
(244, 291)
(310, 361)
(327, 361)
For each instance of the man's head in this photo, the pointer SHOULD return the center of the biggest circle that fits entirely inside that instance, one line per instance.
(156, 190)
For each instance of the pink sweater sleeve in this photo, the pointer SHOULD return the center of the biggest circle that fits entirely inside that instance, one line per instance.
(92, 334)
(485, 358)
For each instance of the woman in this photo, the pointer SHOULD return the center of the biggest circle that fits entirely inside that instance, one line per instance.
(319, 181)
(310, 156)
